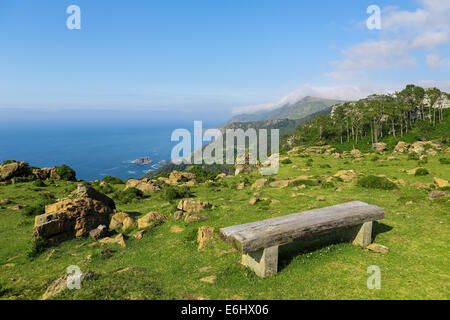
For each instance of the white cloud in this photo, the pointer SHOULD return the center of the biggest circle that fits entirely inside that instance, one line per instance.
(325, 92)
(403, 32)
(435, 61)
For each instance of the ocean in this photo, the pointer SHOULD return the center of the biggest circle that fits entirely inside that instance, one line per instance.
(93, 149)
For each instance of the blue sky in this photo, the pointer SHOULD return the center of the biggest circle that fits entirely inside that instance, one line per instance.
(214, 56)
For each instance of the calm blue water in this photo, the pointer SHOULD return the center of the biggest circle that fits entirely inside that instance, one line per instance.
(93, 150)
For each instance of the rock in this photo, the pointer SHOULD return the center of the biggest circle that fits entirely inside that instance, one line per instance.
(274, 202)
(14, 169)
(421, 185)
(5, 201)
(139, 234)
(100, 232)
(379, 147)
(44, 173)
(150, 217)
(221, 175)
(253, 201)
(180, 176)
(103, 184)
(190, 205)
(346, 175)
(280, 184)
(55, 287)
(71, 217)
(210, 279)
(337, 155)
(176, 229)
(14, 207)
(438, 194)
(84, 191)
(117, 220)
(356, 153)
(204, 234)
(240, 186)
(246, 164)
(320, 198)
(144, 185)
(432, 152)
(195, 217)
(260, 183)
(178, 215)
(128, 223)
(440, 183)
(401, 147)
(119, 239)
(375, 247)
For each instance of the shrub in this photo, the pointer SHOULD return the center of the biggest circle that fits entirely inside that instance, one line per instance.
(375, 158)
(39, 183)
(38, 245)
(421, 172)
(326, 165)
(8, 161)
(328, 185)
(286, 161)
(305, 182)
(112, 180)
(375, 182)
(413, 156)
(172, 193)
(66, 173)
(128, 195)
(444, 160)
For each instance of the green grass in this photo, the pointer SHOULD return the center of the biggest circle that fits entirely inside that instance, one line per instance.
(166, 265)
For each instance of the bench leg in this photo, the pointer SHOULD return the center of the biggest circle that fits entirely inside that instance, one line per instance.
(362, 234)
(264, 262)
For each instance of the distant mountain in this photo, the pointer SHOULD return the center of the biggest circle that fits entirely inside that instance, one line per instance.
(298, 110)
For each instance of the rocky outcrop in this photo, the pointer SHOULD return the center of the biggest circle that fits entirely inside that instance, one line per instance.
(150, 218)
(145, 185)
(418, 147)
(13, 170)
(190, 205)
(122, 220)
(74, 217)
(379, 147)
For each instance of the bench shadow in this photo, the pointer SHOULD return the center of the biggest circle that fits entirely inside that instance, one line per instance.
(291, 250)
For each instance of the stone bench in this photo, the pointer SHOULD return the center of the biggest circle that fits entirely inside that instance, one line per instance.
(259, 241)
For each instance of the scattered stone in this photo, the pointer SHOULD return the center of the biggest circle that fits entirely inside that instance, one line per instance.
(14, 208)
(432, 152)
(401, 147)
(421, 185)
(9, 265)
(121, 220)
(119, 239)
(5, 201)
(375, 247)
(244, 164)
(210, 279)
(253, 201)
(55, 287)
(259, 184)
(139, 234)
(274, 202)
(438, 194)
(176, 229)
(178, 215)
(280, 184)
(204, 234)
(145, 185)
(195, 217)
(240, 186)
(320, 198)
(356, 153)
(190, 205)
(440, 183)
(100, 232)
(150, 217)
(379, 147)
(346, 175)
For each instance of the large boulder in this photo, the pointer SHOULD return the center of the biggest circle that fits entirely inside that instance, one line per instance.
(150, 218)
(71, 217)
(84, 191)
(122, 220)
(379, 147)
(401, 147)
(145, 185)
(190, 205)
(14, 169)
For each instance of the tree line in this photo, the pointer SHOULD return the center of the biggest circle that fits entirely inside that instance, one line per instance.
(378, 115)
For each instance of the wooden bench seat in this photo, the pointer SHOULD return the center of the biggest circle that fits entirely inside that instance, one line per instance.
(259, 241)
